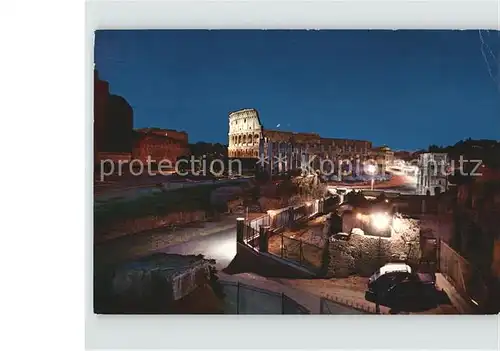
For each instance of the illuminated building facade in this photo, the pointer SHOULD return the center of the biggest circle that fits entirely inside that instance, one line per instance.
(280, 151)
(432, 173)
(245, 132)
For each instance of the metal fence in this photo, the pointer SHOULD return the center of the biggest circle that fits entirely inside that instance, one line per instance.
(251, 236)
(463, 276)
(280, 218)
(306, 210)
(245, 299)
(303, 253)
(259, 221)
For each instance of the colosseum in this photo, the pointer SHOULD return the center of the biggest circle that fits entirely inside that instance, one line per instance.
(245, 132)
(248, 139)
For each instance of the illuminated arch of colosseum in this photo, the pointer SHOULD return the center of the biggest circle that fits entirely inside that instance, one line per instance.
(245, 131)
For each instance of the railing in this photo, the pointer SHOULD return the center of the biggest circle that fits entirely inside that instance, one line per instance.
(280, 218)
(259, 221)
(251, 236)
(305, 254)
(245, 299)
(307, 210)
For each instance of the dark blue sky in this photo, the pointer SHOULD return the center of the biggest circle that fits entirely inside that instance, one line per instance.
(406, 89)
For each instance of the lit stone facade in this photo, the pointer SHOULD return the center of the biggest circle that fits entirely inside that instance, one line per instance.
(245, 132)
(284, 151)
(344, 149)
(280, 151)
(296, 149)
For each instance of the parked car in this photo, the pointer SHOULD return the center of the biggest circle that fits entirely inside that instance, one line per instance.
(394, 284)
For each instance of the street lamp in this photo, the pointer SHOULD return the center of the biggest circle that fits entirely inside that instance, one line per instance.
(371, 169)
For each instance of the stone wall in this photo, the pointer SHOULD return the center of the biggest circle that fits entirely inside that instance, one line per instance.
(362, 254)
(149, 285)
(132, 226)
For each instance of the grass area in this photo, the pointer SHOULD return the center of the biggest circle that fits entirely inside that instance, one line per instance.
(299, 244)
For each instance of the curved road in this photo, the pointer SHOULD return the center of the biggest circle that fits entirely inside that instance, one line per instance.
(214, 240)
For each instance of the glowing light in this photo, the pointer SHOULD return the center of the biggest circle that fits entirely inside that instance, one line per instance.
(272, 213)
(240, 219)
(371, 169)
(225, 249)
(380, 221)
(399, 225)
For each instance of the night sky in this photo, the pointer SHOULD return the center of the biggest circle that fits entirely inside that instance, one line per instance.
(406, 89)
